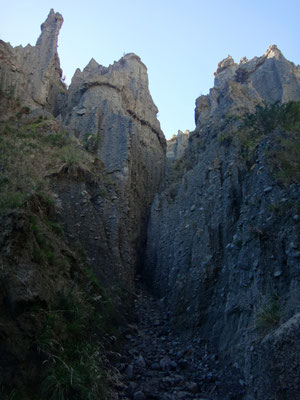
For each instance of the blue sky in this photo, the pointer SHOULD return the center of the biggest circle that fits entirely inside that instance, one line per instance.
(181, 42)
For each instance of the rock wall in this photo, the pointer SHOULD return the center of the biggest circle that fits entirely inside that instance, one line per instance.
(112, 111)
(32, 74)
(240, 87)
(223, 236)
(77, 220)
(177, 145)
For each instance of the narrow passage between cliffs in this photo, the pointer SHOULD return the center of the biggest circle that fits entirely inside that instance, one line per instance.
(158, 364)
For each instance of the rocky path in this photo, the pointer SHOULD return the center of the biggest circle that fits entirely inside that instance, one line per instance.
(158, 365)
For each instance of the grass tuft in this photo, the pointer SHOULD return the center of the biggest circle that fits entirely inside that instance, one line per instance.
(269, 314)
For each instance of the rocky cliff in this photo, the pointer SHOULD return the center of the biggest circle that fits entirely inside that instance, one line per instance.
(75, 195)
(177, 145)
(223, 237)
(112, 111)
(32, 74)
(240, 87)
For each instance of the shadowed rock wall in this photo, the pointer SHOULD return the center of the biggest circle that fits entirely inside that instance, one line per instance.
(218, 251)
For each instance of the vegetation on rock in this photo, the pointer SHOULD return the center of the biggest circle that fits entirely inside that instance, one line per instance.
(279, 121)
(269, 314)
(66, 320)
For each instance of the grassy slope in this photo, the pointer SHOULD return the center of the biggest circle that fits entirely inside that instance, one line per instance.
(56, 323)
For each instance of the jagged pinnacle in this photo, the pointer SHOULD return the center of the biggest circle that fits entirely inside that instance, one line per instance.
(50, 31)
(274, 52)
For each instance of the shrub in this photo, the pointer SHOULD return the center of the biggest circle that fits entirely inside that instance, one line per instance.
(269, 314)
(43, 251)
(275, 208)
(268, 117)
(55, 227)
(22, 111)
(285, 156)
(241, 75)
(285, 160)
(91, 142)
(70, 155)
(225, 138)
(58, 139)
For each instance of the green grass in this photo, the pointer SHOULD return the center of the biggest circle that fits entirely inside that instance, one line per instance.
(65, 381)
(91, 142)
(11, 200)
(56, 227)
(285, 160)
(43, 250)
(269, 314)
(9, 395)
(70, 155)
(285, 207)
(268, 117)
(21, 177)
(31, 151)
(79, 315)
(58, 139)
(280, 122)
(68, 345)
(226, 138)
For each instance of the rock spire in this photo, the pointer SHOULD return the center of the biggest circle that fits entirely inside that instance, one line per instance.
(33, 73)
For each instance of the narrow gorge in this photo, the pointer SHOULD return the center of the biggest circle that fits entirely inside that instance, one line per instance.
(137, 268)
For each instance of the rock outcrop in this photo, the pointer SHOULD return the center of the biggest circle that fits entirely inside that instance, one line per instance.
(75, 197)
(223, 237)
(112, 111)
(177, 144)
(240, 87)
(32, 74)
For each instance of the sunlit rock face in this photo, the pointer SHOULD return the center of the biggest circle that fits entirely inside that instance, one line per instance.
(239, 87)
(177, 144)
(111, 107)
(217, 251)
(114, 105)
(32, 73)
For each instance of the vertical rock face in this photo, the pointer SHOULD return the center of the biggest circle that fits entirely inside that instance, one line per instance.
(114, 106)
(177, 144)
(100, 187)
(240, 87)
(112, 111)
(32, 74)
(223, 237)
